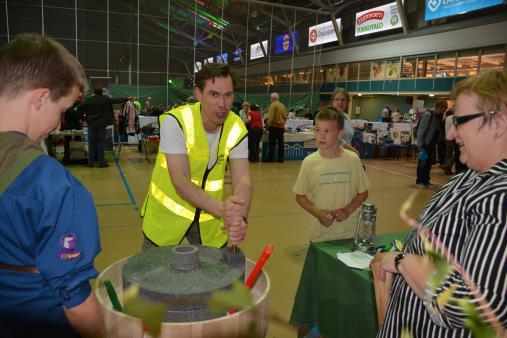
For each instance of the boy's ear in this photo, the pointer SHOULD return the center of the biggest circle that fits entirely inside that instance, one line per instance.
(39, 97)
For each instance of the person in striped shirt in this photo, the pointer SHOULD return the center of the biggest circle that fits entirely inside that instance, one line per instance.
(468, 216)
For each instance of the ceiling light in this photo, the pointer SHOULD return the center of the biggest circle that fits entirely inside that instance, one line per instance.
(431, 95)
(359, 94)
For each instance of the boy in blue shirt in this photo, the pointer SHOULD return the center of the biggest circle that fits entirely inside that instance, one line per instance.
(48, 223)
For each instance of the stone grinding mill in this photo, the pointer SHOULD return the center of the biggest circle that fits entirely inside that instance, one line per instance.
(183, 277)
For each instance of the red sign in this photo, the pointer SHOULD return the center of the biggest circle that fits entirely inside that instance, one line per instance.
(373, 15)
(313, 35)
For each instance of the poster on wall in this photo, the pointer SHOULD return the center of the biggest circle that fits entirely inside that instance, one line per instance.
(283, 43)
(341, 73)
(256, 50)
(378, 19)
(436, 9)
(378, 70)
(323, 33)
(392, 69)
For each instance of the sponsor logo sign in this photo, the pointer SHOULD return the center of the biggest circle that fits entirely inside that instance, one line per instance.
(436, 9)
(323, 33)
(256, 50)
(378, 19)
(283, 43)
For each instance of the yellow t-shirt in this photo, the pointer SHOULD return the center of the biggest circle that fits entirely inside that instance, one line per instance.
(331, 184)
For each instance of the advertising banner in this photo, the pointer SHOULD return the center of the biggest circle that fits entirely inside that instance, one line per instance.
(322, 33)
(224, 58)
(378, 19)
(256, 50)
(441, 8)
(283, 43)
(197, 66)
(236, 54)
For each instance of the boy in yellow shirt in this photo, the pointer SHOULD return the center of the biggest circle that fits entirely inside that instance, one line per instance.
(331, 184)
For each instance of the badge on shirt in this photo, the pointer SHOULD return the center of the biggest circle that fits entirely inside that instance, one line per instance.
(68, 250)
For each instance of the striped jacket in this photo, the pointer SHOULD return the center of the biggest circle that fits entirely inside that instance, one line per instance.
(469, 216)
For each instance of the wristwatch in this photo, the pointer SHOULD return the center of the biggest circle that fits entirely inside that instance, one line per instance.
(397, 260)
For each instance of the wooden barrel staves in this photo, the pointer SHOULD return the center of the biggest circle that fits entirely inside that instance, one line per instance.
(239, 324)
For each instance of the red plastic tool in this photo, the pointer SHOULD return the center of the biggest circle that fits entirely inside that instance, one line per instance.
(252, 278)
(254, 274)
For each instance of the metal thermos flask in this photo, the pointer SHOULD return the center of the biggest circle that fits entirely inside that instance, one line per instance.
(365, 229)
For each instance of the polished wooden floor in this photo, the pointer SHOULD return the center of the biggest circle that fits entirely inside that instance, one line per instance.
(274, 215)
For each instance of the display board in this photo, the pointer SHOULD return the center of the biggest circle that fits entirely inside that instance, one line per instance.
(441, 8)
(378, 19)
(323, 33)
(283, 43)
(256, 50)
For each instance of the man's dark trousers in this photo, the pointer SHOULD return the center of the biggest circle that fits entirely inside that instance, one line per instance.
(424, 167)
(96, 144)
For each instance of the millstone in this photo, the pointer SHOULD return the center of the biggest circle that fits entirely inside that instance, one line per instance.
(183, 277)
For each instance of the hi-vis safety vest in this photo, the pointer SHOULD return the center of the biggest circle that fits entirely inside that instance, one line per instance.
(167, 216)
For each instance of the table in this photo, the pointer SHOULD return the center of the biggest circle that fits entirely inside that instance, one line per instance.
(299, 123)
(341, 300)
(63, 138)
(297, 145)
(145, 120)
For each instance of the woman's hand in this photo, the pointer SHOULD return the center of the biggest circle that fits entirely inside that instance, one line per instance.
(386, 261)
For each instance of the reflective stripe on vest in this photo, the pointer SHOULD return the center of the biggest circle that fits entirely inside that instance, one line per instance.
(211, 185)
(233, 138)
(170, 204)
(188, 119)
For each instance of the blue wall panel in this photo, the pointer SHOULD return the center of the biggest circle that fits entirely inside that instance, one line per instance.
(424, 84)
(407, 85)
(444, 84)
(377, 86)
(352, 86)
(363, 86)
(391, 85)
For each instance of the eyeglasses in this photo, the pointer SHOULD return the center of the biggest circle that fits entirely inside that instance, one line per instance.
(458, 120)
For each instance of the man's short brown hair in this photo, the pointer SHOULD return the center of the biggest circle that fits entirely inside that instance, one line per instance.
(32, 61)
(330, 113)
(211, 71)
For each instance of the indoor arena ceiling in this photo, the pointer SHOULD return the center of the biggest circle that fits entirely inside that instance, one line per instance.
(85, 27)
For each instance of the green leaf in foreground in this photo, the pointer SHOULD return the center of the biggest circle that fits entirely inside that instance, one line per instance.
(442, 267)
(474, 321)
(151, 313)
(238, 298)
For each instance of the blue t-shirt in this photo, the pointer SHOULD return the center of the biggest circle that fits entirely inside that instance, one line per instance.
(47, 220)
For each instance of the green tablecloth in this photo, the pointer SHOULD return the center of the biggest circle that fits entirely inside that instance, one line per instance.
(341, 300)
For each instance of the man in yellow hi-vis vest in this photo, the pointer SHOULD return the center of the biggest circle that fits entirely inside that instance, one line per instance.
(185, 196)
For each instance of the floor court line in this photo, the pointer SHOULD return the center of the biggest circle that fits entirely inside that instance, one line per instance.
(397, 173)
(125, 182)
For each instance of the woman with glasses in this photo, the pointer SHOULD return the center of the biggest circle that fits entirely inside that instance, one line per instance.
(340, 100)
(469, 217)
